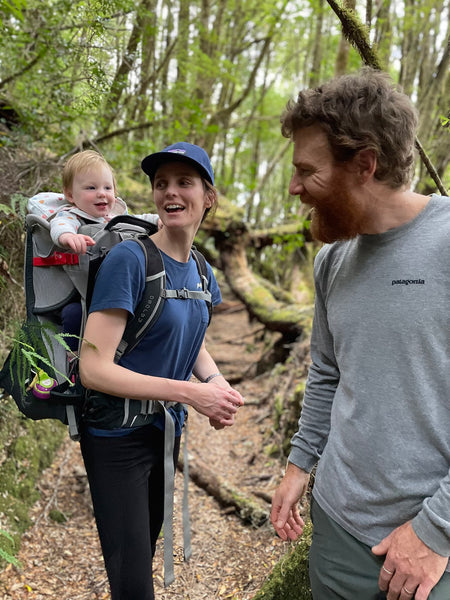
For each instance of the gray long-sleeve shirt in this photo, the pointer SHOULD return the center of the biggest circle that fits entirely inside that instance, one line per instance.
(377, 402)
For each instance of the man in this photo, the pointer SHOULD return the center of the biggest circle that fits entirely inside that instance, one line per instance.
(376, 412)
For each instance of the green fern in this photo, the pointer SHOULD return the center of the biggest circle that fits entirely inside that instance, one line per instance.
(29, 352)
(4, 208)
(6, 555)
(17, 207)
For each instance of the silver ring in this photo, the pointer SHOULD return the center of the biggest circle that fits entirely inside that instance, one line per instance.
(387, 570)
(407, 591)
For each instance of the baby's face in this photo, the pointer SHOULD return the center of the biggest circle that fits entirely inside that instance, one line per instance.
(93, 191)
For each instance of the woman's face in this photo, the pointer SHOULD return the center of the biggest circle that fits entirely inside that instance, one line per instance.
(179, 195)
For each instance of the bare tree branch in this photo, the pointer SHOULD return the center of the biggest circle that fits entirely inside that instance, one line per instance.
(26, 68)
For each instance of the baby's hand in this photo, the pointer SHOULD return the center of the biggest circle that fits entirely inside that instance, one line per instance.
(76, 242)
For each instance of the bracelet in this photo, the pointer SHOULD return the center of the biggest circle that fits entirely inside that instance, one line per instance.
(208, 379)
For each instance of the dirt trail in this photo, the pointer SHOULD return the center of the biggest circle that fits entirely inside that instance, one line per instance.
(62, 560)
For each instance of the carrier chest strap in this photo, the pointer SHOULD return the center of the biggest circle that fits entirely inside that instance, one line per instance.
(185, 294)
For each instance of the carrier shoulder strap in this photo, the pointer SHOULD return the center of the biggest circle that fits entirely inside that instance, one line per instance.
(203, 271)
(151, 304)
(155, 292)
(30, 298)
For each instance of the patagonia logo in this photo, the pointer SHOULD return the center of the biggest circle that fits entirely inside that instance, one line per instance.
(178, 151)
(408, 282)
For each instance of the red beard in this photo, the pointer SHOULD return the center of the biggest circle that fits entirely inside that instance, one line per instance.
(338, 216)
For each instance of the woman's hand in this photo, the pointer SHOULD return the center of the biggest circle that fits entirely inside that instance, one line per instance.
(218, 401)
(223, 383)
(217, 426)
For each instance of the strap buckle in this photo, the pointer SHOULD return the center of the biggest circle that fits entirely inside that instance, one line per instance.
(183, 294)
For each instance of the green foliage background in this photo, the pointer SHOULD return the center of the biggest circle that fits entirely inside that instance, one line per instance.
(128, 78)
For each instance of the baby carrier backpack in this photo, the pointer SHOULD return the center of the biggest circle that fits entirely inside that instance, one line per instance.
(38, 373)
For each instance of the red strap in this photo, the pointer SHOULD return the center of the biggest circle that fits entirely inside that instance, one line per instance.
(55, 259)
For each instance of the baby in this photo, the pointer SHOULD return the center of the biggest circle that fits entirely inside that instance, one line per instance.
(90, 189)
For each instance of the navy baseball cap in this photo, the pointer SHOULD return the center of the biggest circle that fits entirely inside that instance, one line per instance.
(183, 152)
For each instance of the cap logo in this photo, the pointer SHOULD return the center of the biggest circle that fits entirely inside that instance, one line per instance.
(178, 151)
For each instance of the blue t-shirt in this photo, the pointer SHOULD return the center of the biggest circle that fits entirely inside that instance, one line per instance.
(170, 348)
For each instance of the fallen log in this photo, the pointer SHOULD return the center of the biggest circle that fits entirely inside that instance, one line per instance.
(228, 497)
(275, 309)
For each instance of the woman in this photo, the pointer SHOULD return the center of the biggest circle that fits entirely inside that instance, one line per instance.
(125, 466)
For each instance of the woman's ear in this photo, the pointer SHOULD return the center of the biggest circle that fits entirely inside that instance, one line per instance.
(211, 198)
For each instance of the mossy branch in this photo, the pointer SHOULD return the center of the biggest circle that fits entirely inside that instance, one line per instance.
(357, 34)
(430, 168)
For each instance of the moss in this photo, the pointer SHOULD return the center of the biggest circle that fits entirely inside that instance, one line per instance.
(26, 449)
(57, 516)
(138, 195)
(289, 579)
(278, 408)
(299, 392)
(267, 309)
(228, 211)
(272, 450)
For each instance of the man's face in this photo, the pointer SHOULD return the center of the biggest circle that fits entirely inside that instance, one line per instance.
(327, 186)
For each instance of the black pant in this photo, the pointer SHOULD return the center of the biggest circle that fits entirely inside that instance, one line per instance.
(126, 478)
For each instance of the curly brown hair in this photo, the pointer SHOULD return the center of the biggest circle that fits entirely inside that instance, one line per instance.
(363, 110)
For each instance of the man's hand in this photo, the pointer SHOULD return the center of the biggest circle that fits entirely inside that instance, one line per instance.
(284, 515)
(410, 568)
